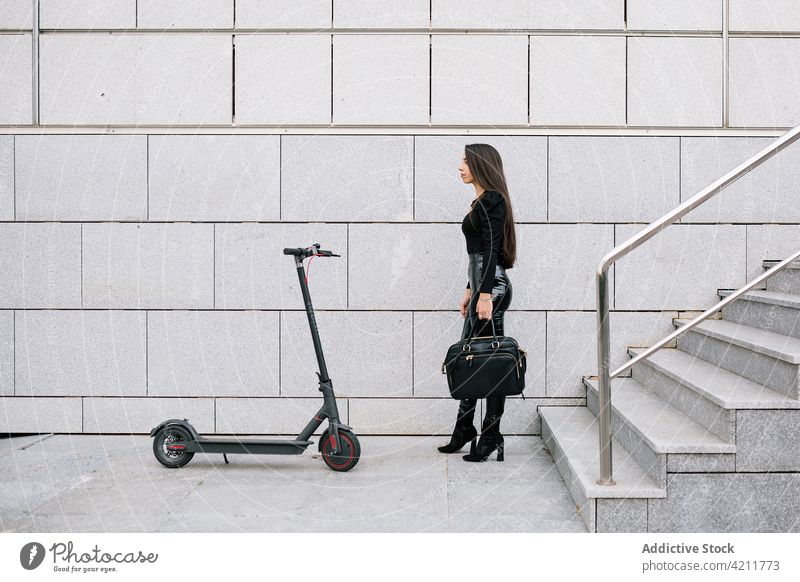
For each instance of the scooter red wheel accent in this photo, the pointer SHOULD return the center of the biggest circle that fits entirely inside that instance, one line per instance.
(169, 446)
(349, 454)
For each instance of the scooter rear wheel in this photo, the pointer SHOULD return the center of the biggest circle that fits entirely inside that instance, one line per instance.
(349, 454)
(172, 435)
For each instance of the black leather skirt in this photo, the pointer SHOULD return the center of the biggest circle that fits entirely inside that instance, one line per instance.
(501, 299)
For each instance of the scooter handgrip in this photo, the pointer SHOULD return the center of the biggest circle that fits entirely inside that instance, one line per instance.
(292, 251)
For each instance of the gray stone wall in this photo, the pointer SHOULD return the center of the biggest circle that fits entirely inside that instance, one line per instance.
(178, 150)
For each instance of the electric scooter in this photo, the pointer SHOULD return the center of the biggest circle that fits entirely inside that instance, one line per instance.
(176, 441)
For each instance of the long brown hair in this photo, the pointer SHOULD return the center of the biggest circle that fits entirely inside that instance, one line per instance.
(486, 167)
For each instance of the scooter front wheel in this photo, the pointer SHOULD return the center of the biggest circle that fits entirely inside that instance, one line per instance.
(348, 455)
(169, 446)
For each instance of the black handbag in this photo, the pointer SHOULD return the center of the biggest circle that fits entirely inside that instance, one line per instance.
(482, 366)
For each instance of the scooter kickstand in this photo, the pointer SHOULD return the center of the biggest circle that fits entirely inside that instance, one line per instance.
(224, 456)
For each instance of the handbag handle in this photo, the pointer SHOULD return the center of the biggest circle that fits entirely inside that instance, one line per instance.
(468, 346)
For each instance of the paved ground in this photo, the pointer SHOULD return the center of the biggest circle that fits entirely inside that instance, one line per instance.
(86, 483)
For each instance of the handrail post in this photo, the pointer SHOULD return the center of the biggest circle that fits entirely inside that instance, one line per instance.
(603, 359)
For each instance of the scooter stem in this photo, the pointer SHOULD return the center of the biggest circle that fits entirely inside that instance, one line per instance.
(312, 320)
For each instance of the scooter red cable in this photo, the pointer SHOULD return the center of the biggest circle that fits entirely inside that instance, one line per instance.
(311, 258)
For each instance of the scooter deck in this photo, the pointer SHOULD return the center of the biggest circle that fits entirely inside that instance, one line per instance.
(249, 446)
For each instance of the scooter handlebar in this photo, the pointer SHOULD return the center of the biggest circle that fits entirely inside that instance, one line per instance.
(309, 251)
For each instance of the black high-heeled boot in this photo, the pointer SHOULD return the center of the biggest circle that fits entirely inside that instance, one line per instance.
(459, 439)
(490, 440)
(464, 430)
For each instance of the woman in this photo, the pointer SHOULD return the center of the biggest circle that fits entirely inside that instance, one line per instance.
(491, 245)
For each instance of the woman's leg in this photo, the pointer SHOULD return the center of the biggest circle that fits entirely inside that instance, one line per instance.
(464, 430)
(466, 406)
(501, 299)
(466, 413)
(491, 438)
(495, 405)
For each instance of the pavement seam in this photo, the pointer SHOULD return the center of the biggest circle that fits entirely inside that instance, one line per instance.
(165, 519)
(32, 511)
(36, 442)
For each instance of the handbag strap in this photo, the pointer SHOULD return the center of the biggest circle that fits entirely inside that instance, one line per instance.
(468, 345)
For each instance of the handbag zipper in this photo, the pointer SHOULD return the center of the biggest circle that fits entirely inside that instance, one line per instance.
(470, 357)
(519, 362)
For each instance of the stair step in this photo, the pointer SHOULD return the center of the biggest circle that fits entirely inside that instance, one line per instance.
(759, 355)
(787, 280)
(761, 341)
(767, 297)
(769, 263)
(573, 430)
(661, 438)
(722, 387)
(663, 428)
(570, 434)
(769, 310)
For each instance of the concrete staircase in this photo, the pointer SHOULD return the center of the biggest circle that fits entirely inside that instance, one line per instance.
(706, 434)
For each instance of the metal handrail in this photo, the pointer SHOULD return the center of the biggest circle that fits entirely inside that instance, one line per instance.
(619, 251)
(705, 315)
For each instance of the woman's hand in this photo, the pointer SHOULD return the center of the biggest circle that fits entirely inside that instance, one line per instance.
(484, 308)
(465, 303)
